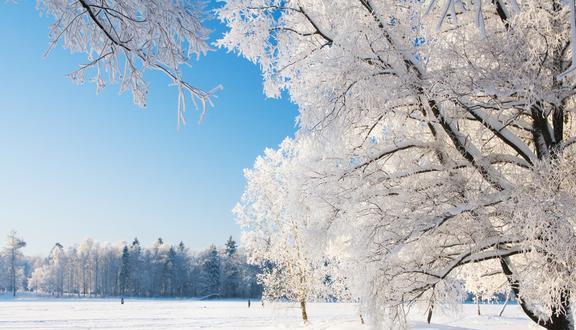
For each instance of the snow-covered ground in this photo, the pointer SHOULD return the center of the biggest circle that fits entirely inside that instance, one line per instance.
(190, 314)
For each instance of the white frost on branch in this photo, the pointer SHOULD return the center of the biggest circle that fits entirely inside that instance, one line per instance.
(421, 151)
(122, 39)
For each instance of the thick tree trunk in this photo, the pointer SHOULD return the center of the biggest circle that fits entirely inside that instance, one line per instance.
(561, 319)
(303, 309)
(564, 320)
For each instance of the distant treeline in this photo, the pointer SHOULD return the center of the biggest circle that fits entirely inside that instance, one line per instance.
(103, 270)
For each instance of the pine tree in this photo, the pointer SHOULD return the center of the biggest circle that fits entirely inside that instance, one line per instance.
(231, 247)
(170, 273)
(231, 271)
(132, 270)
(182, 270)
(124, 276)
(211, 271)
(136, 271)
(157, 268)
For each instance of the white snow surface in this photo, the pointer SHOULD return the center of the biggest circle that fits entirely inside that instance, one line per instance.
(193, 314)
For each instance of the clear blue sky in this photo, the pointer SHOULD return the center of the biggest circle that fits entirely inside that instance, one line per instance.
(76, 165)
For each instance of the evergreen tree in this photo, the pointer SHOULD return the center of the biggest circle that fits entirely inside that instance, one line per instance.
(158, 268)
(124, 276)
(170, 277)
(136, 271)
(231, 247)
(211, 271)
(109, 270)
(182, 270)
(231, 271)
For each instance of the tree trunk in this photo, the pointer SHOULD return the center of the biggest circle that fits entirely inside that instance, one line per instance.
(13, 272)
(560, 320)
(431, 307)
(505, 304)
(478, 305)
(564, 320)
(303, 309)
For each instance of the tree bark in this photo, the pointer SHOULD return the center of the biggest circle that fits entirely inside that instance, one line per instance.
(429, 317)
(561, 322)
(561, 319)
(303, 309)
(430, 308)
(478, 305)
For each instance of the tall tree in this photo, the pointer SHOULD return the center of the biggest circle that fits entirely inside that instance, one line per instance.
(158, 269)
(125, 271)
(280, 220)
(210, 270)
(13, 245)
(230, 270)
(171, 273)
(136, 274)
(57, 260)
(442, 135)
(182, 270)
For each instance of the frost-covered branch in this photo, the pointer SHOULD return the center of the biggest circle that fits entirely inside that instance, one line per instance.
(422, 151)
(123, 38)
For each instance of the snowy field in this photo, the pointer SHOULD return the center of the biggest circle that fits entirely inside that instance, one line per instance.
(190, 314)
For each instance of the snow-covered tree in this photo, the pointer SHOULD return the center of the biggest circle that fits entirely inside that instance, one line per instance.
(125, 271)
(280, 218)
(182, 270)
(103, 269)
(231, 271)
(486, 284)
(50, 276)
(57, 261)
(86, 252)
(137, 271)
(14, 244)
(158, 258)
(210, 264)
(231, 247)
(442, 134)
(122, 39)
